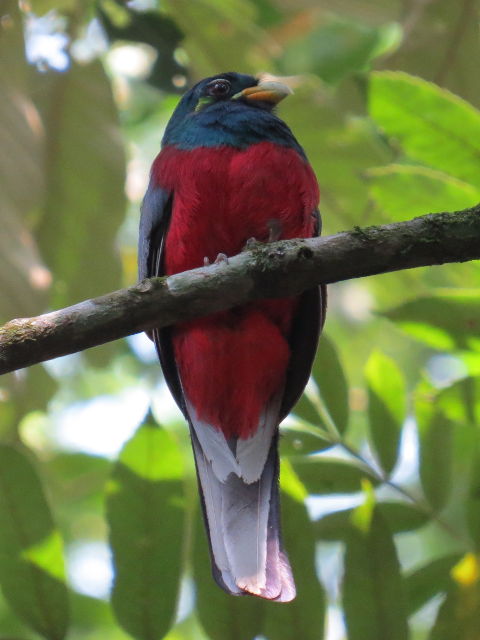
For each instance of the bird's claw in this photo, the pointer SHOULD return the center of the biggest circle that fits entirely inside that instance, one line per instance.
(222, 257)
(274, 230)
(250, 244)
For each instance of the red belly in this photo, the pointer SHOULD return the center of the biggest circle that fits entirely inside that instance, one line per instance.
(232, 363)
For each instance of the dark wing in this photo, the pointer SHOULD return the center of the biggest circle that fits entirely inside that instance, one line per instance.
(307, 325)
(154, 222)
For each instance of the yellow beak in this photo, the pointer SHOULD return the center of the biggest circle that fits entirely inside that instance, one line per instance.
(268, 91)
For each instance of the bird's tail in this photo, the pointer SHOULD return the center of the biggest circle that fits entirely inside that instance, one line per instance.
(243, 526)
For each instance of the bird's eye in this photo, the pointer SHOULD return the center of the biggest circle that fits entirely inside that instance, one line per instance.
(219, 88)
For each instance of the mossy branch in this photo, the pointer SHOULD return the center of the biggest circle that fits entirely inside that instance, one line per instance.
(267, 271)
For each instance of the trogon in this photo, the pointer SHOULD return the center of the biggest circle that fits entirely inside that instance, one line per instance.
(230, 170)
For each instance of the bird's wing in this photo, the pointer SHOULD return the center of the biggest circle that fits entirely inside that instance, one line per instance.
(307, 326)
(154, 222)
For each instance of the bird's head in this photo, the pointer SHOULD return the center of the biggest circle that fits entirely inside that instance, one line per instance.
(241, 88)
(228, 101)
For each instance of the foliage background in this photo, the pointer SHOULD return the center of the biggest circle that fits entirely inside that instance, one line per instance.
(383, 448)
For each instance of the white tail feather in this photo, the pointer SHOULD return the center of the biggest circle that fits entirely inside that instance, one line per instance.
(240, 496)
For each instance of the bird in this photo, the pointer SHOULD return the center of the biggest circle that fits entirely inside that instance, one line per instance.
(229, 171)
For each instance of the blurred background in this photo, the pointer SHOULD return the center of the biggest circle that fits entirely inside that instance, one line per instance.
(100, 533)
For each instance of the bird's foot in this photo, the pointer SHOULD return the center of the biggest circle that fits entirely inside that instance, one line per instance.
(250, 244)
(222, 257)
(274, 230)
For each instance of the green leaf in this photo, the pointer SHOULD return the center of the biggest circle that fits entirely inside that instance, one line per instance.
(460, 402)
(473, 499)
(331, 382)
(339, 47)
(32, 573)
(392, 187)
(386, 406)
(322, 475)
(436, 433)
(296, 440)
(459, 615)
(77, 482)
(307, 411)
(31, 392)
(446, 320)
(429, 580)
(43, 6)
(433, 125)
(373, 591)
(399, 517)
(304, 617)
(145, 510)
(86, 176)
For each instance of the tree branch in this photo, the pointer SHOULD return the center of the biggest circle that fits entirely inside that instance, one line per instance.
(267, 271)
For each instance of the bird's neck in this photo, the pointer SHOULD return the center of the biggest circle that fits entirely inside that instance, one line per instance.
(228, 124)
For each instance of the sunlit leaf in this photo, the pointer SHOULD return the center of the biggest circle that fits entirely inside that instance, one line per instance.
(460, 401)
(32, 574)
(145, 509)
(392, 188)
(372, 570)
(433, 125)
(291, 483)
(362, 515)
(386, 406)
